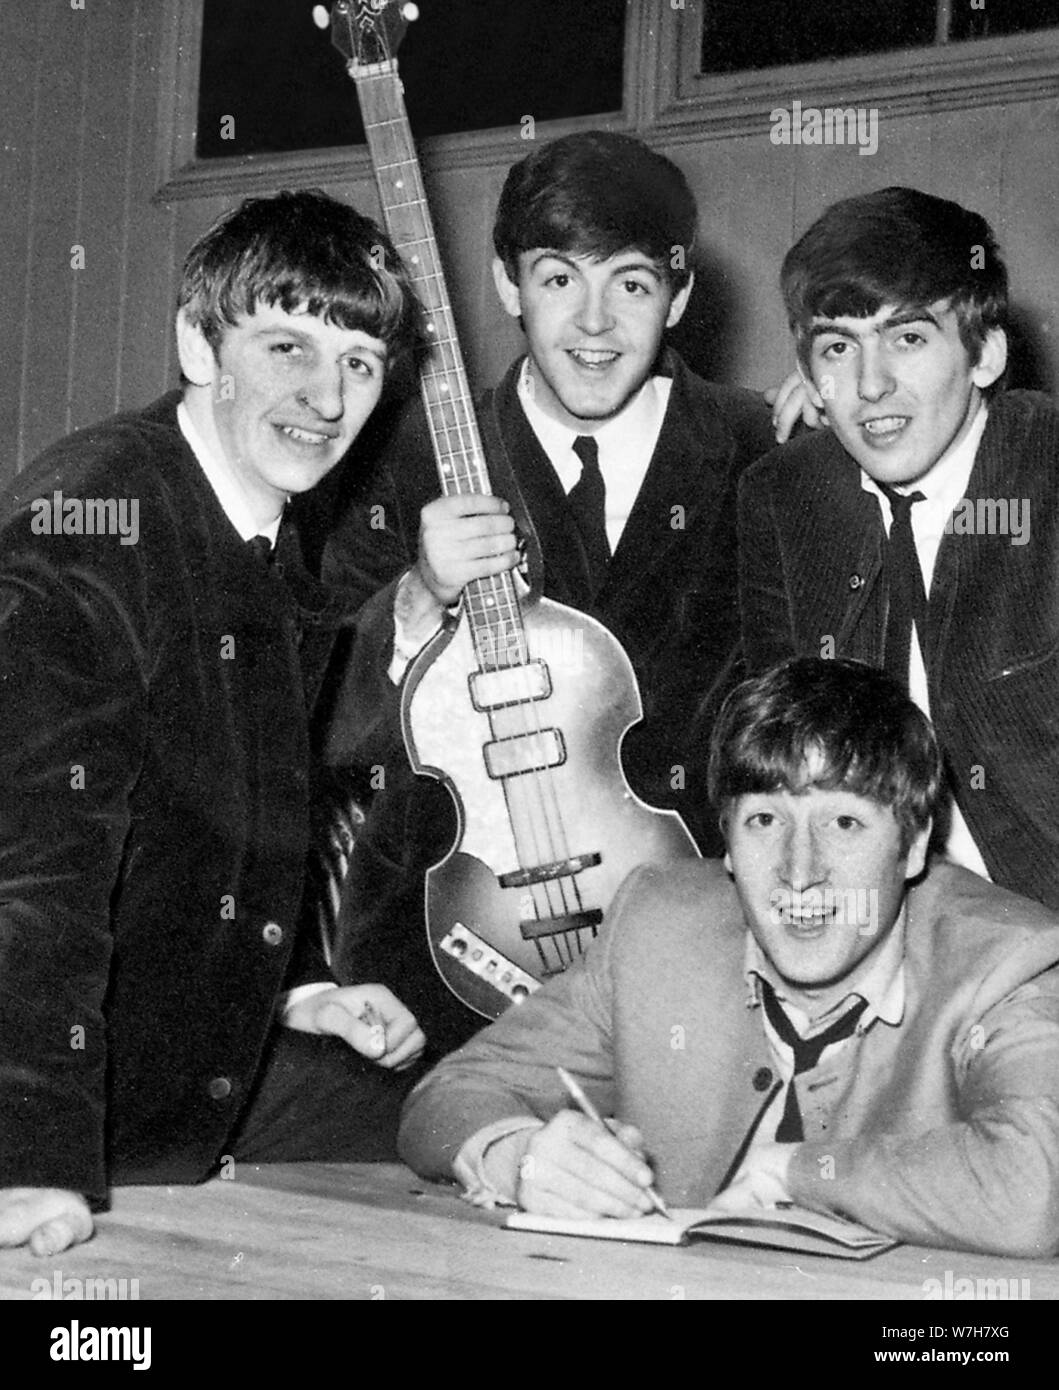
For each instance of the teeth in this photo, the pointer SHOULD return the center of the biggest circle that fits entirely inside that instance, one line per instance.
(593, 358)
(811, 911)
(885, 426)
(306, 436)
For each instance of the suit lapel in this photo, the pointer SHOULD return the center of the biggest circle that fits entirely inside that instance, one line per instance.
(565, 565)
(838, 548)
(689, 470)
(966, 560)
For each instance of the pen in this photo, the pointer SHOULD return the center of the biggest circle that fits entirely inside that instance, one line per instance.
(587, 1108)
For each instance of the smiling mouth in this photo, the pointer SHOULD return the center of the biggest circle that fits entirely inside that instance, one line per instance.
(593, 359)
(885, 427)
(314, 438)
(808, 918)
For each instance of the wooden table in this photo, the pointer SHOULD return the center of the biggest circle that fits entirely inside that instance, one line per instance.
(375, 1231)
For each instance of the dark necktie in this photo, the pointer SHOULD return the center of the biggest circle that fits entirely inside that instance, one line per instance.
(587, 499)
(261, 549)
(908, 598)
(806, 1055)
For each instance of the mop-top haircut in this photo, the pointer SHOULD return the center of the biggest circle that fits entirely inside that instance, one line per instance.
(836, 724)
(301, 251)
(597, 194)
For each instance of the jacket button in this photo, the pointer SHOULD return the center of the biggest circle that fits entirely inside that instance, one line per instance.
(762, 1079)
(272, 934)
(855, 581)
(220, 1088)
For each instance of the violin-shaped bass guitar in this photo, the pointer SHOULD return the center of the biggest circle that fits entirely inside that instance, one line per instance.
(518, 707)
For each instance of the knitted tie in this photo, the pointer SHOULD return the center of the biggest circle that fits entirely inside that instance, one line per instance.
(261, 549)
(806, 1055)
(587, 499)
(908, 598)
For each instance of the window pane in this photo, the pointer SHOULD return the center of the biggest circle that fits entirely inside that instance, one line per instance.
(1003, 17)
(466, 65)
(740, 35)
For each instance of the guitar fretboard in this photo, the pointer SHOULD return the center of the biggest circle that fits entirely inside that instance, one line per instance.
(492, 605)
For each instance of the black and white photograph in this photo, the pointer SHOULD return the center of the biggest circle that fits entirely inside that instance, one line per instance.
(529, 669)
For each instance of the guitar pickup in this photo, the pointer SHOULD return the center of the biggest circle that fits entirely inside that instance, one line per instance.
(511, 757)
(487, 963)
(535, 929)
(542, 873)
(511, 685)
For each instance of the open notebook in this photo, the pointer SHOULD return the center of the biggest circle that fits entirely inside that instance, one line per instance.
(782, 1228)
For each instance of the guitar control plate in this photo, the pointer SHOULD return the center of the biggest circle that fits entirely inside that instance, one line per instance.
(487, 963)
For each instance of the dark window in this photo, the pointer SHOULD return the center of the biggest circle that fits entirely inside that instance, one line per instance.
(465, 64)
(742, 35)
(998, 17)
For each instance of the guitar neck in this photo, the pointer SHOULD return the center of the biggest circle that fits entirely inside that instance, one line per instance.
(492, 604)
(446, 394)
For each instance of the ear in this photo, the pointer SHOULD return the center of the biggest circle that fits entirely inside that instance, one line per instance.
(917, 853)
(728, 862)
(508, 292)
(197, 361)
(993, 358)
(679, 302)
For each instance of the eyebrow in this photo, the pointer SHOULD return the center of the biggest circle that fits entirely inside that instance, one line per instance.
(898, 320)
(644, 263)
(279, 330)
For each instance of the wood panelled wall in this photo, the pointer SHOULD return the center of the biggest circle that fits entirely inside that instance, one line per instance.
(79, 130)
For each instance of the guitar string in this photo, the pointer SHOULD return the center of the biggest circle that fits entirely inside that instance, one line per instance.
(500, 616)
(502, 595)
(529, 793)
(408, 162)
(548, 841)
(502, 611)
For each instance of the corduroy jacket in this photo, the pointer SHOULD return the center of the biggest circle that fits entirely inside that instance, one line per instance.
(153, 810)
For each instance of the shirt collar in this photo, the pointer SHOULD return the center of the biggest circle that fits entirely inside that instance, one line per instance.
(946, 483)
(882, 986)
(225, 488)
(638, 420)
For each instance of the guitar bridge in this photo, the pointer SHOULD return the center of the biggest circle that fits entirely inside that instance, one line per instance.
(537, 929)
(542, 873)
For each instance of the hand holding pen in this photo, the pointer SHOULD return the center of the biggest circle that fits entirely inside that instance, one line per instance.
(586, 1107)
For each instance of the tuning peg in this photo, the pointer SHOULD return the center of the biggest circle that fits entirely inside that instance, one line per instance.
(410, 12)
(321, 18)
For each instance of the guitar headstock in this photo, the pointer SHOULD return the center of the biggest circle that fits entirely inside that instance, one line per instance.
(369, 31)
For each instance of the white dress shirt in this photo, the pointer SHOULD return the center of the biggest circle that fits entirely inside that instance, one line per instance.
(626, 445)
(943, 488)
(882, 986)
(226, 487)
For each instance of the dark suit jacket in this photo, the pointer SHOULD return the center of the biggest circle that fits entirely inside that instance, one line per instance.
(153, 814)
(669, 597)
(811, 551)
(942, 1129)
